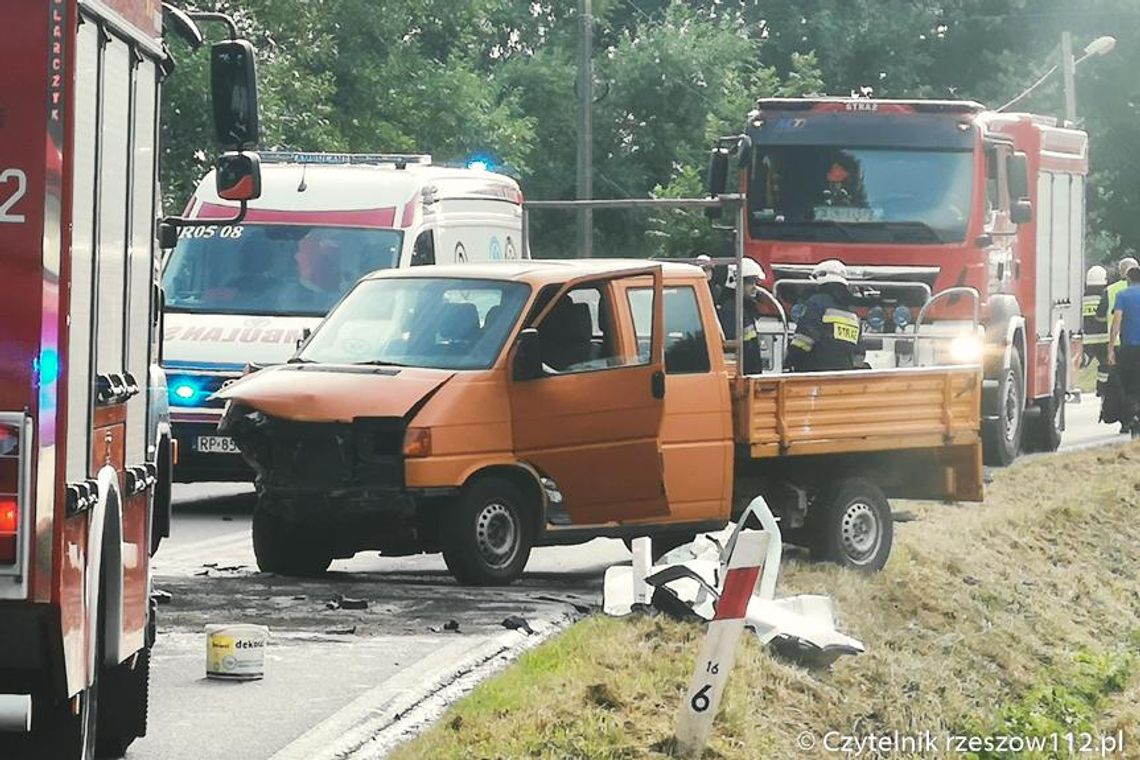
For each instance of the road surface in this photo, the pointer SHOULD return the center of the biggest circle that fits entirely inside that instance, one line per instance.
(328, 669)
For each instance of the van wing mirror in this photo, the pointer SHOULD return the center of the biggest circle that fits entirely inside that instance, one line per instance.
(233, 87)
(238, 176)
(1017, 169)
(528, 356)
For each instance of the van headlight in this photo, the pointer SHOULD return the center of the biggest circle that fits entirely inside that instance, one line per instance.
(966, 349)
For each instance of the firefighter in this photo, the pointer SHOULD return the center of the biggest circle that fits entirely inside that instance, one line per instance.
(1095, 329)
(1124, 348)
(827, 335)
(752, 272)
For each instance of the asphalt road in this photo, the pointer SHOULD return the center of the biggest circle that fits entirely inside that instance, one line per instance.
(329, 669)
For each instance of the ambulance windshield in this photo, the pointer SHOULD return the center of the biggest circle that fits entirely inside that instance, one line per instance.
(276, 270)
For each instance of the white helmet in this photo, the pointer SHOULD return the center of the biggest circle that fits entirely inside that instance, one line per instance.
(1126, 264)
(1097, 277)
(751, 269)
(832, 270)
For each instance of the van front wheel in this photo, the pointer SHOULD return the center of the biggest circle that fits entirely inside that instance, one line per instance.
(487, 539)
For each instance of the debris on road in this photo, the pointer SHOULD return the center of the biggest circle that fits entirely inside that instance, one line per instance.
(161, 597)
(450, 625)
(688, 581)
(341, 602)
(517, 623)
(347, 631)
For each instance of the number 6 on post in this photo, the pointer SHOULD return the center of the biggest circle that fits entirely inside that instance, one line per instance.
(702, 700)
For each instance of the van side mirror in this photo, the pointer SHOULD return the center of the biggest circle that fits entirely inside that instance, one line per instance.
(238, 176)
(306, 332)
(1021, 212)
(1017, 169)
(233, 87)
(528, 356)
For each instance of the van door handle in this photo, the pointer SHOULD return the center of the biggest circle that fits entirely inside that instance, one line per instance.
(657, 384)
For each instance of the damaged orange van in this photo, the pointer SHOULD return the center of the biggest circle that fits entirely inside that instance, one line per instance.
(483, 409)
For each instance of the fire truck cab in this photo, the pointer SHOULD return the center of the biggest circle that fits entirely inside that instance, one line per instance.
(85, 453)
(962, 231)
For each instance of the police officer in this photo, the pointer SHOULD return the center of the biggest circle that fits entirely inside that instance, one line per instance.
(726, 312)
(827, 334)
(1095, 329)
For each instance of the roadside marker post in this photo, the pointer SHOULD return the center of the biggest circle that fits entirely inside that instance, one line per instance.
(718, 653)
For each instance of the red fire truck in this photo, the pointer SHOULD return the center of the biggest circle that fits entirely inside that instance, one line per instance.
(962, 228)
(85, 455)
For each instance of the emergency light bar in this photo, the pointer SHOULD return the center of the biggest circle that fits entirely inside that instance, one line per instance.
(869, 105)
(295, 157)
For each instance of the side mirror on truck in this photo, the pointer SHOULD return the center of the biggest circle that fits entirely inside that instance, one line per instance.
(233, 86)
(528, 356)
(1017, 169)
(238, 176)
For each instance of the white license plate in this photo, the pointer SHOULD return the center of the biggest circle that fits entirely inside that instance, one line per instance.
(215, 444)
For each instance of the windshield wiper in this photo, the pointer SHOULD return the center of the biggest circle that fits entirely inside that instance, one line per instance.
(912, 227)
(807, 230)
(380, 363)
(299, 360)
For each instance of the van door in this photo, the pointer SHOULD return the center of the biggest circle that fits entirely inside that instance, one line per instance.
(592, 422)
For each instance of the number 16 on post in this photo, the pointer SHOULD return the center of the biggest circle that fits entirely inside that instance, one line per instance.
(702, 700)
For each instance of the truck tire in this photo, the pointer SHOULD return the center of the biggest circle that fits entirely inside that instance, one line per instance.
(1001, 437)
(850, 524)
(1043, 432)
(487, 539)
(126, 698)
(287, 548)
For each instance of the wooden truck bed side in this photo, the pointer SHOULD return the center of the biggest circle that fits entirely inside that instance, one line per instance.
(925, 421)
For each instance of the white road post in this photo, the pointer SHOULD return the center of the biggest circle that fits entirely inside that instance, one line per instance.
(641, 564)
(718, 653)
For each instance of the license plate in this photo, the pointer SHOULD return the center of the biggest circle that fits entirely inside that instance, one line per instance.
(215, 444)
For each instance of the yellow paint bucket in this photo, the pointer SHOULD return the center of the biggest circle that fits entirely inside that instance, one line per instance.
(236, 652)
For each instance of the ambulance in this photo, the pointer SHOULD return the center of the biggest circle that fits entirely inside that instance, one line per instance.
(246, 292)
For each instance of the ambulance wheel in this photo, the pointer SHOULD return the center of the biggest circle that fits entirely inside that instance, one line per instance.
(850, 524)
(286, 548)
(1001, 436)
(487, 541)
(1043, 433)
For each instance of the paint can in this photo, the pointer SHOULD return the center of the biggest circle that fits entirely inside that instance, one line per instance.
(236, 652)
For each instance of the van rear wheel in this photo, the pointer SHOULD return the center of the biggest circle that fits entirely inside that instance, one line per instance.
(851, 525)
(487, 539)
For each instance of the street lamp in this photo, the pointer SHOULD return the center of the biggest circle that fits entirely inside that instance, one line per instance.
(1099, 46)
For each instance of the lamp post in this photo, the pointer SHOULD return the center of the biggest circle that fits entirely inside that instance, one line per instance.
(1099, 46)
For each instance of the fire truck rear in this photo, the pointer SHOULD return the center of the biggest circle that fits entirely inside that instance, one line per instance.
(962, 230)
(85, 454)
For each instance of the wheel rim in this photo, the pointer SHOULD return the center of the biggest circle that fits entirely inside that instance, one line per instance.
(497, 534)
(1012, 407)
(861, 533)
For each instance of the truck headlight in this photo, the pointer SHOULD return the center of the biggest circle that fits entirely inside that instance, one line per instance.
(966, 349)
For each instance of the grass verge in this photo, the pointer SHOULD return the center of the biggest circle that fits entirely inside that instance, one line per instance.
(1016, 616)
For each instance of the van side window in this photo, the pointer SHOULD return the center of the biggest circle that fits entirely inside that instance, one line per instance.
(578, 333)
(423, 251)
(686, 347)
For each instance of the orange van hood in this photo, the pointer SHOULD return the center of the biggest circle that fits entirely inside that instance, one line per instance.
(305, 393)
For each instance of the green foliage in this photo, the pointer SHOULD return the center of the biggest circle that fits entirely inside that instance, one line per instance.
(498, 77)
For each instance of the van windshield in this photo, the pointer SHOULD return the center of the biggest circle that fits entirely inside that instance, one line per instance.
(272, 269)
(443, 323)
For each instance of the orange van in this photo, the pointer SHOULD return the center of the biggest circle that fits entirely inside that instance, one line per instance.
(484, 409)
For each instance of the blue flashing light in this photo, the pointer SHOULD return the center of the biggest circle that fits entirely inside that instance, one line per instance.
(47, 365)
(478, 165)
(902, 316)
(184, 392)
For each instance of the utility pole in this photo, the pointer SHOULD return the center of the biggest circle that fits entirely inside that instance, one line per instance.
(585, 127)
(1068, 66)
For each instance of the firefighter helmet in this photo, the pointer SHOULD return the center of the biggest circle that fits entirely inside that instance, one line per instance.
(1097, 277)
(1126, 264)
(832, 270)
(751, 269)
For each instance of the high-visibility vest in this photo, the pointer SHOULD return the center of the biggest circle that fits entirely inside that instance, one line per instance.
(1113, 291)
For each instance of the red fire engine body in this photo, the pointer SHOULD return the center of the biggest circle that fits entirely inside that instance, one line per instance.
(84, 435)
(917, 197)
